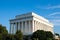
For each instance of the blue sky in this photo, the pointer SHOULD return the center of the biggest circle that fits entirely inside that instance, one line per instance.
(49, 9)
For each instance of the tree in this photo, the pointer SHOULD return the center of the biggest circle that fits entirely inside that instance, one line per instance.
(3, 32)
(39, 35)
(10, 37)
(49, 35)
(1, 37)
(42, 35)
(19, 35)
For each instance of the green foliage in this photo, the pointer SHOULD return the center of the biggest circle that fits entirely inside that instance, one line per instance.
(49, 34)
(42, 35)
(10, 37)
(19, 35)
(5, 36)
(1, 37)
(39, 34)
(26, 37)
(49, 39)
(3, 32)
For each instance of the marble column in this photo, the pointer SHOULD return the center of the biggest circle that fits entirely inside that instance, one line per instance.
(25, 27)
(18, 25)
(29, 27)
(33, 25)
(36, 25)
(39, 26)
(12, 28)
(22, 27)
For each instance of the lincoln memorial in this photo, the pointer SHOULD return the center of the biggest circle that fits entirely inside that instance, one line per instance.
(29, 23)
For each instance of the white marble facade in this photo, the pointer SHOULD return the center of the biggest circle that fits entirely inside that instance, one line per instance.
(29, 23)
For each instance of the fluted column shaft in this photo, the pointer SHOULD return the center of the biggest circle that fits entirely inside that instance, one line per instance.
(18, 25)
(29, 27)
(22, 27)
(25, 27)
(33, 25)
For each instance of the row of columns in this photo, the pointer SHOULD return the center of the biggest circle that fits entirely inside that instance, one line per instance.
(37, 25)
(24, 26)
(28, 27)
(41, 26)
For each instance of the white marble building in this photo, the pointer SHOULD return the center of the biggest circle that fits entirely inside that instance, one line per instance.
(29, 23)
